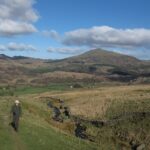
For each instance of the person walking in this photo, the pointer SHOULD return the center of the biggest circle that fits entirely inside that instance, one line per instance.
(16, 113)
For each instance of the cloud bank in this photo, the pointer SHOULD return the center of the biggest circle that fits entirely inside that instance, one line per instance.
(17, 47)
(17, 17)
(105, 36)
(134, 42)
(66, 50)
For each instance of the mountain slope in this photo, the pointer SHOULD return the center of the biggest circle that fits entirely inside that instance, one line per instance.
(2, 56)
(95, 65)
(103, 57)
(103, 63)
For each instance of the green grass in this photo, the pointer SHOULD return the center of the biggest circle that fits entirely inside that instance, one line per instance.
(121, 134)
(35, 133)
(42, 138)
(33, 89)
(6, 141)
(21, 90)
(129, 128)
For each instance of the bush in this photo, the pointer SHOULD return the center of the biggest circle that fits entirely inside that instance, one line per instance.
(77, 85)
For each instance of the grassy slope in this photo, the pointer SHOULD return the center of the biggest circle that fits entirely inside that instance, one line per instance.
(101, 103)
(35, 132)
(107, 103)
(82, 101)
(105, 57)
(98, 61)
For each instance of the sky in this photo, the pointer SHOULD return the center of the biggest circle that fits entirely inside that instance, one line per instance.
(55, 29)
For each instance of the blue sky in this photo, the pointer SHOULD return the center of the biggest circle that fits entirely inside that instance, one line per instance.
(61, 28)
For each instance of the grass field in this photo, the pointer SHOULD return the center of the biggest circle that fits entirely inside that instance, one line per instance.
(35, 132)
(38, 131)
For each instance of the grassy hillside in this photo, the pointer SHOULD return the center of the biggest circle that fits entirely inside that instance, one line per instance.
(96, 61)
(104, 57)
(124, 111)
(35, 132)
(113, 66)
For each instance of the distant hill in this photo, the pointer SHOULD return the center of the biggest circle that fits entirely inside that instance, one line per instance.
(20, 57)
(95, 65)
(101, 62)
(3, 56)
(103, 57)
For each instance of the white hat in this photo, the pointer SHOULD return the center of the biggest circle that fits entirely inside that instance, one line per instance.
(17, 101)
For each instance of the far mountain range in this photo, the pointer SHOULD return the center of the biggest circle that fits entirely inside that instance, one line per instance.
(93, 66)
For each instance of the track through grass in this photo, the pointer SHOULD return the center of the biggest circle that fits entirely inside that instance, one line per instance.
(34, 132)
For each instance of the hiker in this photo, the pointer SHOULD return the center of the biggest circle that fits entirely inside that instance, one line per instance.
(16, 113)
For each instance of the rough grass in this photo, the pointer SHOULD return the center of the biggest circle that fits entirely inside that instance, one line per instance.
(37, 131)
(94, 103)
(106, 103)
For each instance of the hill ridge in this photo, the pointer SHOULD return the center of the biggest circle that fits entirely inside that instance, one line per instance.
(100, 64)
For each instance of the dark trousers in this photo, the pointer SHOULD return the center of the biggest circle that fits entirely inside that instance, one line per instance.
(15, 122)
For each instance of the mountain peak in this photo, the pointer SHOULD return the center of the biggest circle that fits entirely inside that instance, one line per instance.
(104, 57)
(103, 52)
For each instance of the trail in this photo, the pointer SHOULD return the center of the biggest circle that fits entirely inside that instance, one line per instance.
(17, 142)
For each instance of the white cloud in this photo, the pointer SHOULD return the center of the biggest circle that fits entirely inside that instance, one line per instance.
(17, 47)
(105, 36)
(18, 10)
(52, 34)
(11, 28)
(66, 50)
(16, 17)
